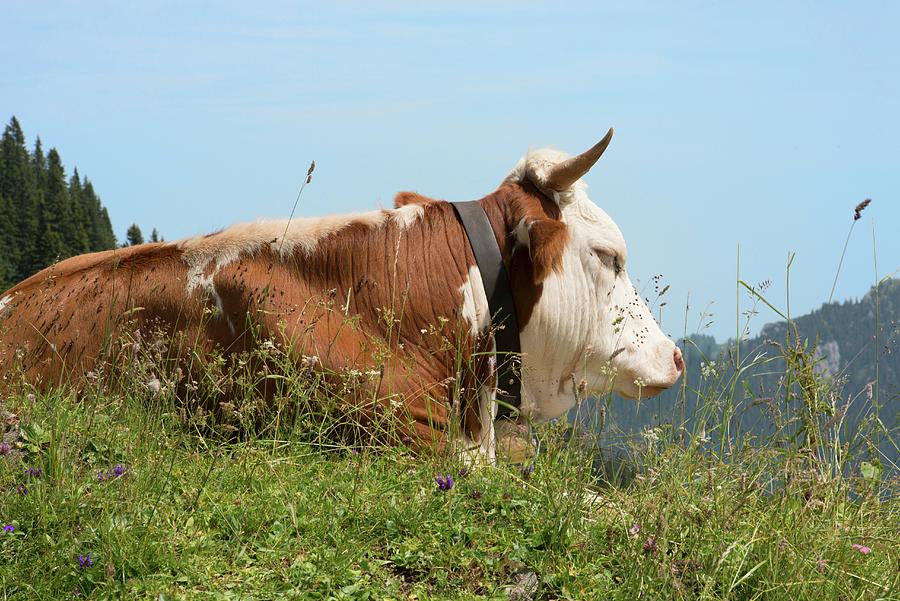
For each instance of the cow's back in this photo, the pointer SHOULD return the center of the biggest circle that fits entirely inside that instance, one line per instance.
(55, 325)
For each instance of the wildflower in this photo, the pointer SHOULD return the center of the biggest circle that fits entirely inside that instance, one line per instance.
(117, 472)
(34, 472)
(464, 472)
(444, 482)
(30, 396)
(406, 439)
(23, 490)
(635, 528)
(475, 494)
(85, 561)
(527, 470)
(4, 448)
(154, 386)
(708, 369)
(650, 545)
(650, 435)
(9, 528)
(861, 548)
(821, 564)
(859, 209)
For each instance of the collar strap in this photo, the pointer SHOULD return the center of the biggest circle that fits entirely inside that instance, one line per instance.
(502, 308)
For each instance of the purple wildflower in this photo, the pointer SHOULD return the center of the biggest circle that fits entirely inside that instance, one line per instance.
(861, 548)
(5, 448)
(116, 472)
(444, 482)
(85, 561)
(475, 494)
(650, 545)
(34, 472)
(527, 470)
(9, 528)
(464, 472)
(406, 439)
(23, 490)
(635, 528)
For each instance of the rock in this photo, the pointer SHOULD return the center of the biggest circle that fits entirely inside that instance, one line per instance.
(525, 585)
(514, 441)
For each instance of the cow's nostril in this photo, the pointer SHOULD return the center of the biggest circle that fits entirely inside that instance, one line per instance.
(679, 361)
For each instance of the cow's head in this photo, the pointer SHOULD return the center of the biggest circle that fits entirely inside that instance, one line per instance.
(589, 332)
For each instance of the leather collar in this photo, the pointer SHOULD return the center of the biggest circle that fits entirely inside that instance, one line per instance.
(504, 325)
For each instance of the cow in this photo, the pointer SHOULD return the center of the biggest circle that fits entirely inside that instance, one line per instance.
(392, 294)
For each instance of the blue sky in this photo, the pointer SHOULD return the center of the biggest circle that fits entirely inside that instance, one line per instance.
(760, 124)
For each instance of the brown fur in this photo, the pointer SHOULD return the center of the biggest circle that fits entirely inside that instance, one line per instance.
(359, 301)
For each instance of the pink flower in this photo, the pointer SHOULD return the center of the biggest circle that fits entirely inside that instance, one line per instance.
(633, 531)
(861, 548)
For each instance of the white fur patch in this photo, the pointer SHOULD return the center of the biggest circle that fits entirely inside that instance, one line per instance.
(3, 302)
(475, 308)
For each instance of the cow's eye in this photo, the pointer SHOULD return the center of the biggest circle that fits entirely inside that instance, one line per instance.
(609, 258)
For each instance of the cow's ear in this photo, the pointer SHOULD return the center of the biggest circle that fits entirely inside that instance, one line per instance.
(546, 240)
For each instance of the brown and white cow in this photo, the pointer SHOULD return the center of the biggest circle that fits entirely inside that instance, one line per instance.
(346, 288)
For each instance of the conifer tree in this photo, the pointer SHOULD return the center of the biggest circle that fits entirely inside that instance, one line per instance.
(101, 234)
(52, 231)
(7, 266)
(134, 236)
(18, 189)
(78, 219)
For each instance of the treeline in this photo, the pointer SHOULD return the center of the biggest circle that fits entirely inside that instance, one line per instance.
(45, 216)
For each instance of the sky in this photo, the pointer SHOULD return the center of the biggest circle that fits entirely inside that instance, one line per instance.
(744, 131)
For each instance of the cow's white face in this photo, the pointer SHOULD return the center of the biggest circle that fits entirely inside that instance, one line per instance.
(590, 332)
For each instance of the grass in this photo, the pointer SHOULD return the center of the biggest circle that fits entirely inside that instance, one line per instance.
(194, 515)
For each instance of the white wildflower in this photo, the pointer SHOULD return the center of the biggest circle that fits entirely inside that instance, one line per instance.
(650, 434)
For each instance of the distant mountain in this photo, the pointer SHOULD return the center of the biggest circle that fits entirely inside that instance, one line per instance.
(854, 350)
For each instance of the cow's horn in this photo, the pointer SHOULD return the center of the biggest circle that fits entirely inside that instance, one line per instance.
(571, 170)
